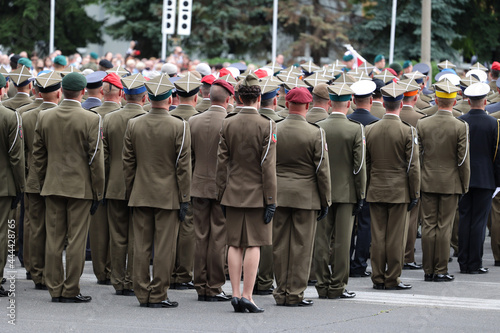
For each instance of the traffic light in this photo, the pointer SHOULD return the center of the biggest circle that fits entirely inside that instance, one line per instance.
(169, 16)
(184, 22)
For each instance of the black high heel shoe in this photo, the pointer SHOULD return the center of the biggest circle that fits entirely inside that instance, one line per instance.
(235, 302)
(246, 304)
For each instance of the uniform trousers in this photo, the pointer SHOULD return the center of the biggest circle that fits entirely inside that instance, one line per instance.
(159, 227)
(5, 216)
(184, 261)
(99, 243)
(474, 209)
(121, 245)
(265, 276)
(438, 214)
(37, 232)
(360, 241)
(210, 249)
(389, 224)
(71, 217)
(337, 224)
(26, 234)
(293, 241)
(412, 234)
(495, 227)
(454, 233)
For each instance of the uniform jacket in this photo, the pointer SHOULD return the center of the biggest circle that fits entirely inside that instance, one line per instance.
(316, 114)
(302, 165)
(409, 115)
(444, 154)
(362, 116)
(347, 157)
(462, 107)
(33, 105)
(91, 102)
(29, 123)
(433, 109)
(20, 99)
(157, 160)
(493, 107)
(484, 166)
(423, 101)
(246, 163)
(377, 109)
(184, 111)
(203, 105)
(106, 108)
(115, 124)
(270, 113)
(67, 152)
(11, 154)
(393, 174)
(205, 134)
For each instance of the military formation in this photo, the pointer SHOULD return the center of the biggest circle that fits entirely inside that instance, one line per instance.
(275, 178)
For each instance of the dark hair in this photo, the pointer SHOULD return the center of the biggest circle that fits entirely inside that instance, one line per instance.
(392, 105)
(494, 73)
(71, 94)
(408, 98)
(445, 102)
(249, 94)
(135, 98)
(266, 102)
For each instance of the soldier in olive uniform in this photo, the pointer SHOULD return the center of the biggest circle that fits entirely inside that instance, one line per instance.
(73, 190)
(393, 183)
(120, 221)
(346, 141)
(20, 77)
(304, 188)
(204, 104)
(12, 171)
(157, 170)
(377, 108)
(319, 111)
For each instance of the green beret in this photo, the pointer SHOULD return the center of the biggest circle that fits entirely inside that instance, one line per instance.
(24, 61)
(396, 66)
(60, 60)
(3, 82)
(378, 58)
(348, 57)
(406, 64)
(94, 55)
(74, 81)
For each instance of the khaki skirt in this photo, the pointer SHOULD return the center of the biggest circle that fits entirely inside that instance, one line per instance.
(245, 227)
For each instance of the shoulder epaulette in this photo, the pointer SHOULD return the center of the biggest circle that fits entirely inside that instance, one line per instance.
(231, 114)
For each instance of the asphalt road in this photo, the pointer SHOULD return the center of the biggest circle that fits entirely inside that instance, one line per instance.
(470, 303)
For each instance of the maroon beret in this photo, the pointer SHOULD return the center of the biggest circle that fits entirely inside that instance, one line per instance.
(224, 84)
(299, 95)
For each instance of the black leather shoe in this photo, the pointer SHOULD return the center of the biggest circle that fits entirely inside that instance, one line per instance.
(235, 302)
(28, 276)
(143, 305)
(348, 294)
(443, 278)
(201, 298)
(182, 286)
(419, 235)
(497, 263)
(164, 304)
(450, 259)
(263, 292)
(106, 282)
(400, 286)
(312, 282)
(246, 304)
(428, 277)
(455, 254)
(222, 297)
(412, 265)
(4, 280)
(40, 286)
(125, 292)
(481, 270)
(77, 299)
(56, 299)
(3, 292)
(306, 302)
(357, 275)
(379, 286)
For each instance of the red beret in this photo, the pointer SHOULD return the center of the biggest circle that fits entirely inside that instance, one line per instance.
(495, 66)
(113, 79)
(224, 72)
(208, 79)
(260, 73)
(224, 84)
(299, 95)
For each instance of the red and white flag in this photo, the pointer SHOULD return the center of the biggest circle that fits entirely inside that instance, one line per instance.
(359, 60)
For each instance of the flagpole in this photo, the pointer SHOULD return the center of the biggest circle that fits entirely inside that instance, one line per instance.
(52, 18)
(393, 30)
(163, 33)
(275, 28)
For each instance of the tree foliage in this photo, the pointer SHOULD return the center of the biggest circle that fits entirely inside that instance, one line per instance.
(25, 22)
(373, 31)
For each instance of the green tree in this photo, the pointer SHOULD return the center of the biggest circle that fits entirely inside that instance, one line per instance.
(372, 33)
(26, 22)
(479, 26)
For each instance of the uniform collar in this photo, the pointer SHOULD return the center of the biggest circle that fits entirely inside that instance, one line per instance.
(336, 114)
(71, 100)
(159, 111)
(295, 116)
(248, 109)
(217, 108)
(391, 116)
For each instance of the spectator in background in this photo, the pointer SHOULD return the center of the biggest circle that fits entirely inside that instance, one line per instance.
(47, 64)
(108, 56)
(130, 66)
(23, 54)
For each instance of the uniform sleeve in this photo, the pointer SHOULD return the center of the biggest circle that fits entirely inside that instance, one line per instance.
(463, 154)
(496, 161)
(26, 148)
(322, 169)
(183, 163)
(105, 145)
(129, 161)
(268, 164)
(359, 159)
(368, 159)
(413, 160)
(16, 152)
(96, 158)
(40, 157)
(222, 162)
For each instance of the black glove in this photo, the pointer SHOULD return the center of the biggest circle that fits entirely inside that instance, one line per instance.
(268, 216)
(95, 205)
(16, 200)
(357, 208)
(412, 204)
(223, 208)
(322, 213)
(183, 210)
